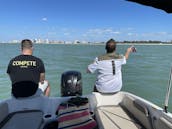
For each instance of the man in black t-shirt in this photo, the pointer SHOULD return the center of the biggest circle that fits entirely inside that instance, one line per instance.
(27, 72)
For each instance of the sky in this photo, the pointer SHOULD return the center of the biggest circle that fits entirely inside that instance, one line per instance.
(83, 20)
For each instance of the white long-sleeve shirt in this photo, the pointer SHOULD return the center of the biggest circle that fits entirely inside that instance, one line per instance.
(108, 81)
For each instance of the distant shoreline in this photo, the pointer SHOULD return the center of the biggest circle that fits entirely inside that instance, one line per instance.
(118, 43)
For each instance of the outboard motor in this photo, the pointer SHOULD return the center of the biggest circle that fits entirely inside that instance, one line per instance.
(71, 84)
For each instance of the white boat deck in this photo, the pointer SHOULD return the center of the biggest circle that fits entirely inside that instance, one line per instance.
(115, 117)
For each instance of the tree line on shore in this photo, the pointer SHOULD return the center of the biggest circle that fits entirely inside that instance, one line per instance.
(147, 41)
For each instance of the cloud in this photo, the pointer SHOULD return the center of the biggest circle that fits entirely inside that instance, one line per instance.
(107, 31)
(116, 32)
(155, 34)
(52, 33)
(66, 33)
(44, 19)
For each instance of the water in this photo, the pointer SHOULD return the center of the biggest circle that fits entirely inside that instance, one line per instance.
(146, 73)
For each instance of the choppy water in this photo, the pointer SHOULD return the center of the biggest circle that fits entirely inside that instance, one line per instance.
(146, 73)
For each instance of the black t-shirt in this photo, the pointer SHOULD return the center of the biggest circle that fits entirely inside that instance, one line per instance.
(25, 68)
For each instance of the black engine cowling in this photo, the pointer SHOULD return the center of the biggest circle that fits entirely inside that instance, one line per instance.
(71, 83)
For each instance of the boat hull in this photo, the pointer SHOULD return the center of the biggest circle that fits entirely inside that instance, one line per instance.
(111, 111)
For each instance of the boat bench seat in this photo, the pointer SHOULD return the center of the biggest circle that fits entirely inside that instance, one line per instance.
(115, 117)
(28, 119)
(162, 123)
(129, 114)
(138, 109)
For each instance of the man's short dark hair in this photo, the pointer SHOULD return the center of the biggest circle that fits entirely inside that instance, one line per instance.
(26, 43)
(110, 46)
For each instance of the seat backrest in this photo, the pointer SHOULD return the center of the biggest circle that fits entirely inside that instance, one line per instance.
(3, 111)
(29, 119)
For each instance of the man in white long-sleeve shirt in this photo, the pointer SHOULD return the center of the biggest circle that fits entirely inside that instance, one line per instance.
(108, 68)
